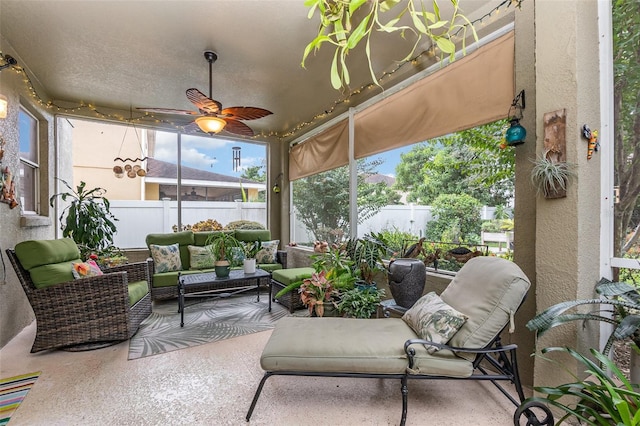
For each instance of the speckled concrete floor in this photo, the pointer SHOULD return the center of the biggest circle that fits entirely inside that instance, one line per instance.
(213, 384)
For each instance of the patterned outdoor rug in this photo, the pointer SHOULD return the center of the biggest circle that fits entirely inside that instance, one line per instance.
(12, 392)
(205, 320)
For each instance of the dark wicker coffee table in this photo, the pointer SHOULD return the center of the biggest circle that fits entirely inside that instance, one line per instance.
(208, 284)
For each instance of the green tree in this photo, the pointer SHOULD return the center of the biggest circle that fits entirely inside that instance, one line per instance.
(626, 98)
(457, 219)
(256, 174)
(470, 161)
(322, 200)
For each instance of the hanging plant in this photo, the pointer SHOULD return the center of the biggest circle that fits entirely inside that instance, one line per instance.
(347, 23)
(550, 177)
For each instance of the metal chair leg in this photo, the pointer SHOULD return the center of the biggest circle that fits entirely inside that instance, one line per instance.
(257, 395)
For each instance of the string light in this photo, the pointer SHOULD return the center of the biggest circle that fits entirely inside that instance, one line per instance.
(431, 52)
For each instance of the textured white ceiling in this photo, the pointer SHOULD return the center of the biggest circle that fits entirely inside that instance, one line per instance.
(128, 54)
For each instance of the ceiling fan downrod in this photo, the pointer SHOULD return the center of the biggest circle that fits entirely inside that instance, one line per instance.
(211, 57)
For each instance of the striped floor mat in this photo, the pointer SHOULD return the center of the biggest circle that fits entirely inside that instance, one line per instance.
(12, 391)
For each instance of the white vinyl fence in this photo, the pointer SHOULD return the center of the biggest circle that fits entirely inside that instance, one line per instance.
(136, 219)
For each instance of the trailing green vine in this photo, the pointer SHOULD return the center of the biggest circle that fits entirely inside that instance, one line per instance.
(342, 28)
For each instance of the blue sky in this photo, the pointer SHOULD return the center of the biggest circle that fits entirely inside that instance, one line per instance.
(215, 154)
(210, 154)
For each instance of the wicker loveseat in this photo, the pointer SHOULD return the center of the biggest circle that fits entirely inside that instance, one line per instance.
(84, 313)
(164, 284)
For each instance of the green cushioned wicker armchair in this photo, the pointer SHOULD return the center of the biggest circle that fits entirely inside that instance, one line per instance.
(84, 313)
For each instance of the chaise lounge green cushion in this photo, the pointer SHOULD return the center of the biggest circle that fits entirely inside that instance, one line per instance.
(488, 290)
(370, 346)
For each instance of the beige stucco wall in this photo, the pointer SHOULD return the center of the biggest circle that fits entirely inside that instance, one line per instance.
(95, 147)
(567, 230)
(15, 311)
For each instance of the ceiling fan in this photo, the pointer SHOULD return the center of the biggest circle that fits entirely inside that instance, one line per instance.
(212, 117)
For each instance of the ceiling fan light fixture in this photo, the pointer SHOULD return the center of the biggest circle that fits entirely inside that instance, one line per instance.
(210, 124)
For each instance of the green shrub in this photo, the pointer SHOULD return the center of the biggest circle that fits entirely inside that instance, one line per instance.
(397, 241)
(457, 218)
(243, 224)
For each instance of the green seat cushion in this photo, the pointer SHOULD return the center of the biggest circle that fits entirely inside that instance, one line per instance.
(288, 276)
(55, 273)
(48, 261)
(348, 345)
(45, 252)
(248, 235)
(270, 267)
(137, 290)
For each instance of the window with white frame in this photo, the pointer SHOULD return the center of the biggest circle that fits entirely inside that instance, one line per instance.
(625, 63)
(29, 161)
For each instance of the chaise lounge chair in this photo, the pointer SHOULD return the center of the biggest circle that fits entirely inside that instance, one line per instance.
(487, 290)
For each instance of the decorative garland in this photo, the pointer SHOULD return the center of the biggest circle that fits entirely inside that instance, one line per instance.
(263, 135)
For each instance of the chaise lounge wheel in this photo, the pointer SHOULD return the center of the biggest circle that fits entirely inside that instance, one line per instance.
(533, 413)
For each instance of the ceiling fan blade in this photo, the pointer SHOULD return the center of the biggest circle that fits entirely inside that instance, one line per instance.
(237, 127)
(245, 113)
(169, 111)
(205, 104)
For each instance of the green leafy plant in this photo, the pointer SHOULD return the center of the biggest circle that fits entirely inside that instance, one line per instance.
(316, 291)
(549, 177)
(357, 303)
(624, 313)
(221, 245)
(346, 23)
(367, 254)
(337, 267)
(87, 219)
(600, 399)
(251, 248)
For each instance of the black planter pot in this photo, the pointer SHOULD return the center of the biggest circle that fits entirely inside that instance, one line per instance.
(406, 281)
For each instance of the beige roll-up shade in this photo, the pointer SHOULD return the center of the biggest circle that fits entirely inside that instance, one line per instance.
(471, 91)
(322, 152)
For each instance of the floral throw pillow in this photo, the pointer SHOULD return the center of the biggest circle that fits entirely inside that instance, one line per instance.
(267, 253)
(85, 269)
(200, 257)
(166, 258)
(432, 319)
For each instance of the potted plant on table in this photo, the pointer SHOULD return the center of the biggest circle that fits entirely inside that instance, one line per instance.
(251, 249)
(221, 245)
